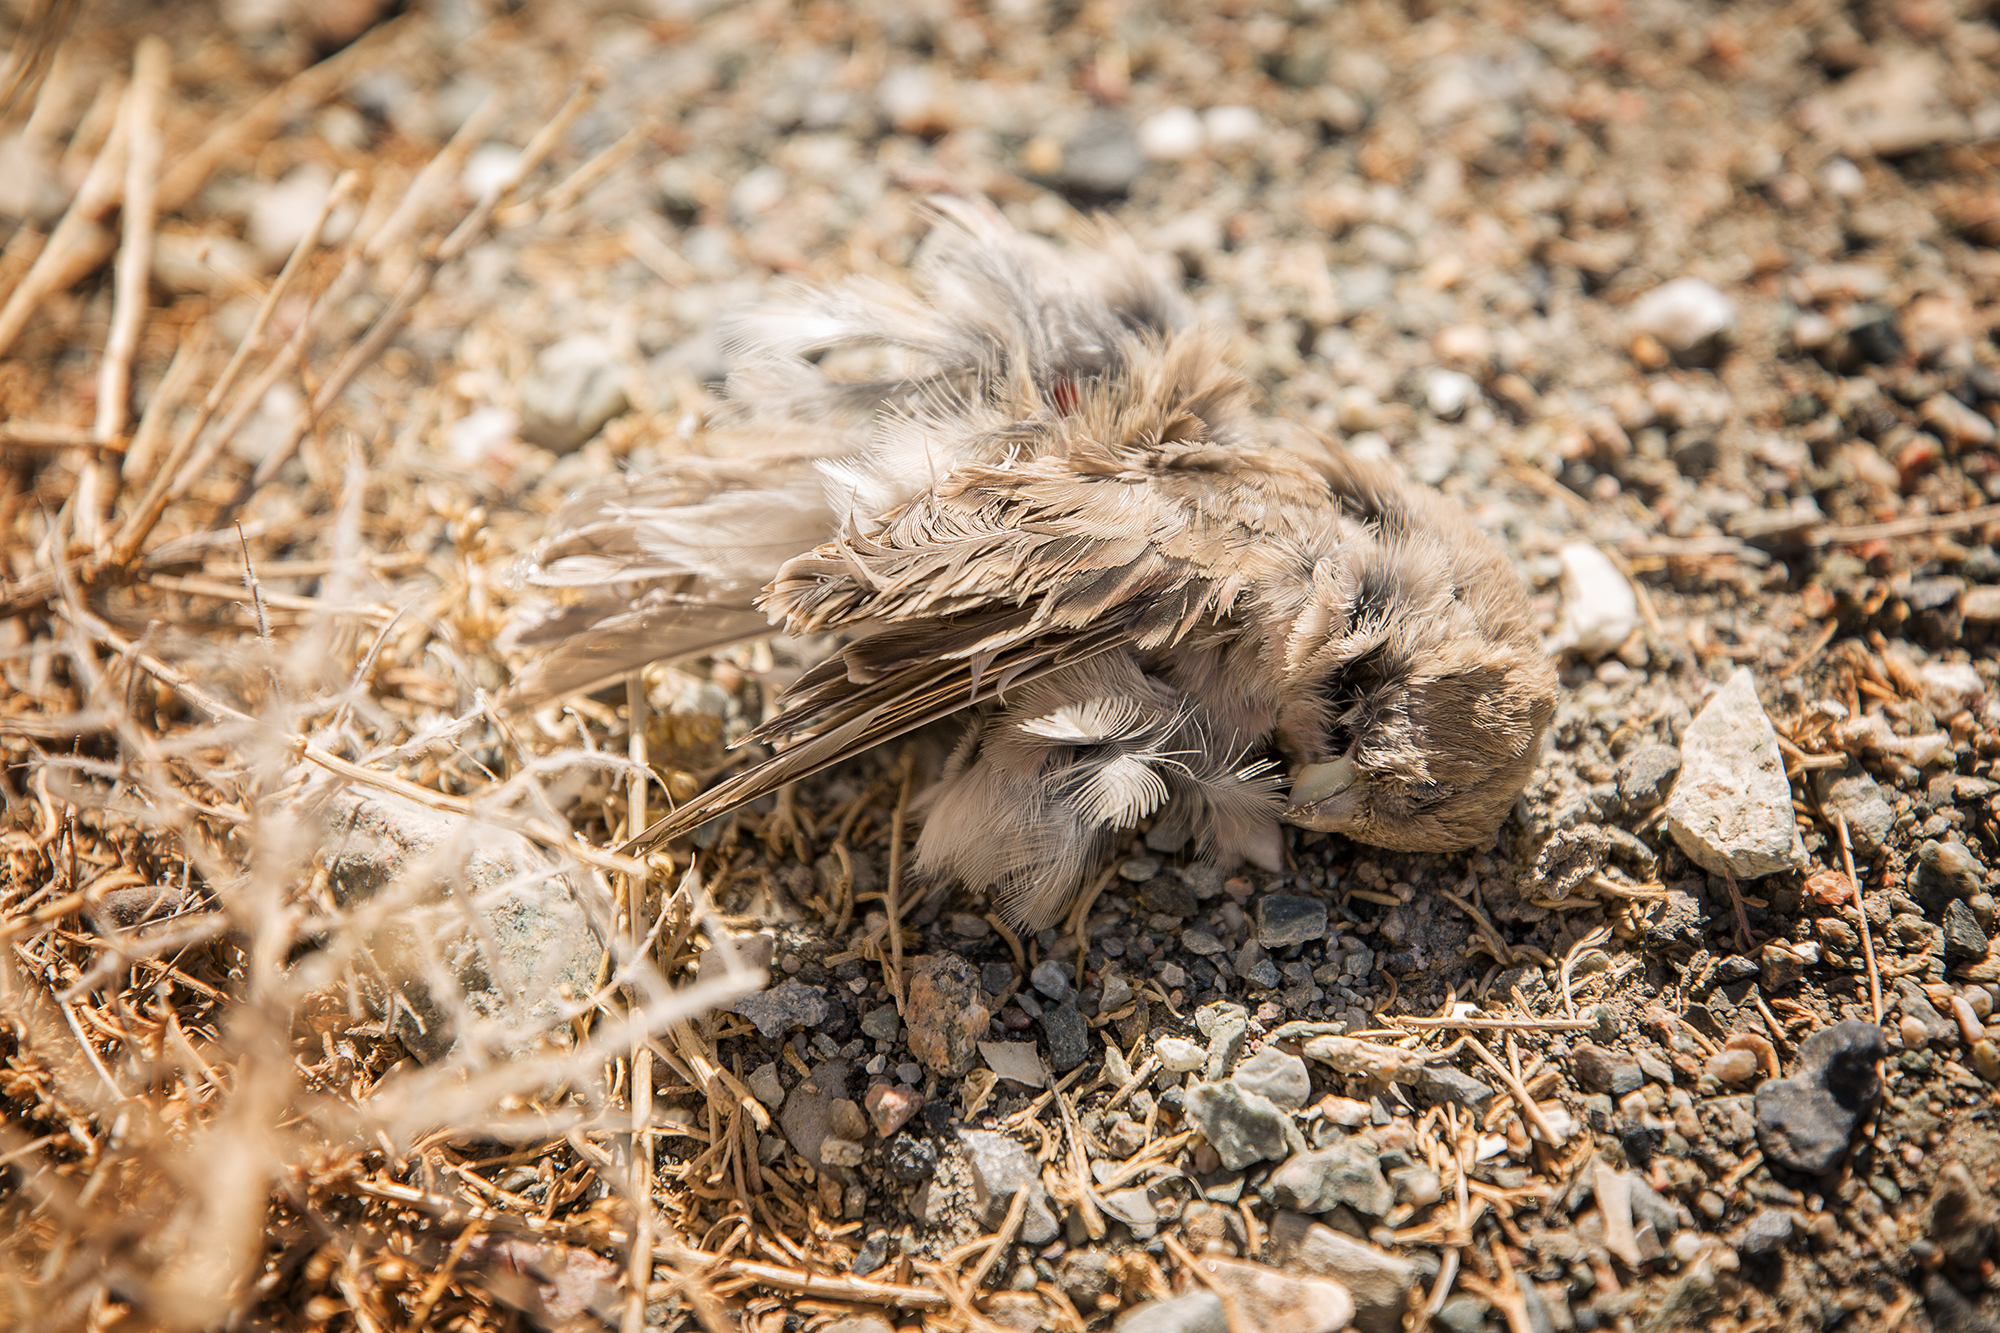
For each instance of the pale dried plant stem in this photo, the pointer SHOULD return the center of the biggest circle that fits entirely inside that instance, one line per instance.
(1861, 919)
(640, 1273)
(79, 242)
(137, 461)
(135, 249)
(893, 892)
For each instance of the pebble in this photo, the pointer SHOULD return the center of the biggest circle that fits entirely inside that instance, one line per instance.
(1104, 158)
(1318, 1181)
(284, 212)
(1200, 942)
(1378, 1281)
(1955, 423)
(1279, 1078)
(1598, 1070)
(836, 1151)
(1241, 1126)
(1068, 1035)
(1265, 1298)
(1965, 941)
(1285, 919)
(1599, 609)
(1443, 1083)
(1447, 393)
(909, 1160)
(787, 1005)
(890, 1107)
(766, 1086)
(577, 385)
(1731, 810)
(1016, 1060)
(945, 1013)
(1852, 793)
(1197, 1311)
(1804, 1122)
(1684, 314)
(1731, 1067)
(1179, 1055)
(1231, 124)
(1951, 687)
(882, 1023)
(1001, 1168)
(1140, 869)
(1172, 135)
(1051, 978)
(807, 1116)
(1646, 775)
(1945, 870)
(1765, 1232)
(1463, 1313)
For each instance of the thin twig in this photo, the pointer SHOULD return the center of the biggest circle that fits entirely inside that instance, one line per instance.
(79, 242)
(892, 893)
(1861, 917)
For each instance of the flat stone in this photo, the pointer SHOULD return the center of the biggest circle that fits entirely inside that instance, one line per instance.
(1647, 774)
(1103, 158)
(1285, 919)
(1379, 1281)
(1268, 1299)
(882, 1023)
(1241, 1126)
(1805, 1122)
(1443, 1083)
(1731, 810)
(1200, 942)
(1319, 1181)
(766, 1085)
(1981, 606)
(1000, 1169)
(1196, 1311)
(1280, 1078)
(1178, 1055)
(1599, 1070)
(577, 385)
(1051, 978)
(1068, 1034)
(787, 1005)
(807, 1116)
(531, 946)
(1852, 793)
(946, 1013)
(1965, 940)
(1599, 608)
(891, 1106)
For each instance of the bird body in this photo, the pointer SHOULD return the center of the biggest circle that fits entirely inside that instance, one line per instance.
(1059, 518)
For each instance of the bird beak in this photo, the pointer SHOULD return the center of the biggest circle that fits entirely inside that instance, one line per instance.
(1316, 782)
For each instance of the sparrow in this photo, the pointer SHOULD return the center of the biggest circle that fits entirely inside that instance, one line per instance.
(1037, 499)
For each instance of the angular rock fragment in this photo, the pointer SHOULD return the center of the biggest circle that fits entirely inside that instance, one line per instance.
(1731, 810)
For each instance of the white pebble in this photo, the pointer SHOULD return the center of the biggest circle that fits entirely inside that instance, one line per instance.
(1447, 392)
(283, 213)
(489, 169)
(1842, 178)
(1599, 608)
(1951, 687)
(1179, 1055)
(478, 433)
(1171, 135)
(1232, 124)
(1684, 313)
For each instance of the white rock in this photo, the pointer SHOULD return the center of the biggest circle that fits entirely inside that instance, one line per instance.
(1951, 687)
(489, 168)
(1231, 124)
(282, 214)
(1179, 1055)
(1277, 1076)
(474, 436)
(1684, 313)
(1448, 392)
(1842, 177)
(1172, 135)
(1014, 1060)
(1599, 608)
(1731, 809)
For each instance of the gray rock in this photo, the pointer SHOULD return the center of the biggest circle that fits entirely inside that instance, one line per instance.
(1731, 810)
(807, 1117)
(1463, 1313)
(1910, 998)
(1199, 942)
(1139, 869)
(1317, 1182)
(1805, 1122)
(1684, 314)
(1051, 978)
(1765, 1232)
(1263, 974)
(526, 945)
(1068, 1035)
(1198, 1311)
(1169, 896)
(1598, 1070)
(1965, 941)
(1000, 1169)
(1781, 967)
(576, 386)
(1285, 919)
(766, 1085)
(1103, 158)
(1443, 1083)
(1379, 1281)
(1852, 793)
(1279, 1078)
(1241, 1126)
(1945, 870)
(787, 1005)
(882, 1023)
(1646, 775)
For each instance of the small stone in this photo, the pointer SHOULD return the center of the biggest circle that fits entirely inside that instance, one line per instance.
(1731, 1067)
(1955, 423)
(836, 1151)
(1200, 943)
(909, 1160)
(1852, 793)
(1141, 870)
(1684, 314)
(845, 1119)
(890, 1107)
(1945, 870)
(1444, 1083)
(995, 978)
(946, 1014)
(1286, 919)
(1951, 687)
(1379, 1281)
(1765, 1232)
(788, 1005)
(766, 1086)
(1068, 1035)
(1805, 1122)
(1172, 135)
(1241, 1126)
(1178, 1055)
(1965, 941)
(1783, 966)
(1116, 994)
(1599, 608)
(1595, 1068)
(1279, 1078)
(1447, 393)
(1001, 1168)
(1417, 1186)
(1265, 1298)
(1319, 1181)
(1463, 1313)
(1263, 974)
(1197, 1311)
(284, 212)
(1051, 978)
(577, 385)
(1731, 810)
(807, 1116)
(1647, 774)
(1168, 895)
(1231, 124)
(972, 926)
(882, 1023)
(1104, 158)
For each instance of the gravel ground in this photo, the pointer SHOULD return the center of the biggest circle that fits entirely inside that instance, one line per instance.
(1693, 307)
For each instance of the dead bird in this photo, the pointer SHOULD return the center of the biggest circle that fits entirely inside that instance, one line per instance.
(1038, 498)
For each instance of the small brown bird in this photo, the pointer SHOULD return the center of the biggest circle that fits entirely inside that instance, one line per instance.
(1040, 500)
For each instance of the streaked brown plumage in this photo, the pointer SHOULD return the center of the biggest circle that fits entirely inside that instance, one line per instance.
(1057, 517)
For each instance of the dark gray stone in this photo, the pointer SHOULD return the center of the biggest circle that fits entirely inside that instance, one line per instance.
(1168, 895)
(1000, 1169)
(1103, 158)
(1646, 775)
(1285, 919)
(1051, 978)
(1965, 941)
(788, 1005)
(1241, 1126)
(1805, 1122)
(1068, 1035)
(1443, 1083)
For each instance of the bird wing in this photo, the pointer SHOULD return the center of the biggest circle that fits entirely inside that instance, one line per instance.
(1002, 574)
